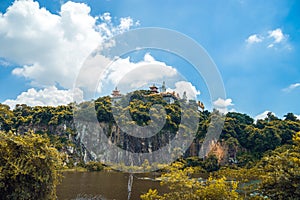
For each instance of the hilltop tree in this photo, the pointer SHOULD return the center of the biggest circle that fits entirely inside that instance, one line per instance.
(6, 118)
(291, 117)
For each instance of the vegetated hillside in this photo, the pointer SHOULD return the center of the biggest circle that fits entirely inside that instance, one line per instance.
(242, 141)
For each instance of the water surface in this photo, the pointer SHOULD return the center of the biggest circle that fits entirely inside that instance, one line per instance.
(110, 185)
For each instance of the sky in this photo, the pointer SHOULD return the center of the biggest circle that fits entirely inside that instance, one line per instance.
(254, 44)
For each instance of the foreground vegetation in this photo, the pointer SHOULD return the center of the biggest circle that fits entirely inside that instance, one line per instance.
(182, 185)
(29, 167)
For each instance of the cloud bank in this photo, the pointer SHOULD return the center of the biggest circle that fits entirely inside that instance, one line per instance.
(49, 96)
(51, 48)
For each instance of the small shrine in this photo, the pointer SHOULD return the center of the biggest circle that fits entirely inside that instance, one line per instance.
(163, 87)
(184, 96)
(153, 89)
(116, 95)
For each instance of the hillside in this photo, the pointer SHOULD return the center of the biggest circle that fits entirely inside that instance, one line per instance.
(242, 141)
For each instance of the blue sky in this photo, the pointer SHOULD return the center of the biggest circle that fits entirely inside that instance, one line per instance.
(255, 45)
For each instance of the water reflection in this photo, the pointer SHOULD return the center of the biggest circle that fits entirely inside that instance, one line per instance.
(107, 185)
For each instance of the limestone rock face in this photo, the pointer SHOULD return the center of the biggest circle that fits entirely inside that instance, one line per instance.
(85, 142)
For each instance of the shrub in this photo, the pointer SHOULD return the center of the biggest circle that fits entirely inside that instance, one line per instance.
(28, 167)
(94, 166)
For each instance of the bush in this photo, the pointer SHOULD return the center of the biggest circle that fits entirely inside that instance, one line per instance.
(94, 166)
(182, 185)
(28, 167)
(209, 164)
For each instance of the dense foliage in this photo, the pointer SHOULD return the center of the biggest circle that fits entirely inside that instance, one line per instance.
(248, 141)
(183, 185)
(28, 167)
(94, 166)
(281, 172)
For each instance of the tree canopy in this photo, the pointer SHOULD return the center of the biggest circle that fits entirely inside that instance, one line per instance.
(29, 167)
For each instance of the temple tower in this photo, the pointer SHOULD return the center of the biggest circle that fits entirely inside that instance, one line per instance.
(153, 89)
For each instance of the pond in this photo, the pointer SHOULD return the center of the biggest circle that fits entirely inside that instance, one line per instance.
(108, 185)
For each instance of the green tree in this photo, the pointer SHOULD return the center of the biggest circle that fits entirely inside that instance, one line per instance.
(182, 185)
(281, 177)
(6, 117)
(290, 116)
(94, 166)
(28, 167)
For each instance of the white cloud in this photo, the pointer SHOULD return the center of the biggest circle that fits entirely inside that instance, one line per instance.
(277, 35)
(126, 23)
(108, 29)
(263, 115)
(271, 39)
(254, 39)
(223, 104)
(106, 17)
(184, 86)
(48, 96)
(148, 58)
(130, 76)
(51, 48)
(298, 116)
(291, 87)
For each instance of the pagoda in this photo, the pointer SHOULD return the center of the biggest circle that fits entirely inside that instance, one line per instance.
(153, 89)
(116, 95)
